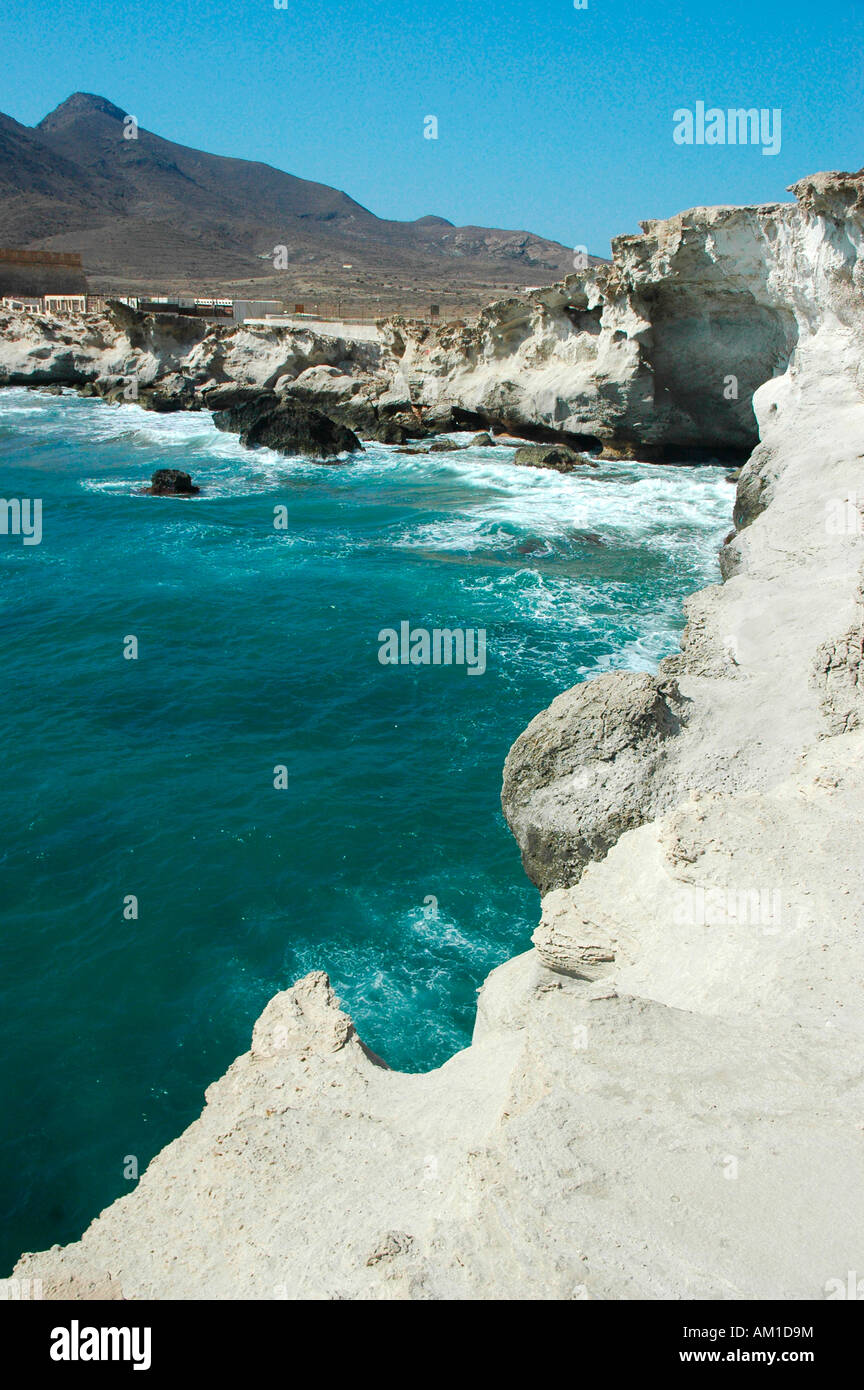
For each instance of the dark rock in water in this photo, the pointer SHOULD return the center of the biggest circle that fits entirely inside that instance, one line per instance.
(482, 441)
(392, 429)
(227, 397)
(362, 418)
(115, 393)
(288, 426)
(443, 446)
(171, 482)
(357, 411)
(557, 456)
(389, 432)
(171, 394)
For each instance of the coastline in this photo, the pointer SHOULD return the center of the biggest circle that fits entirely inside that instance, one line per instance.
(635, 1116)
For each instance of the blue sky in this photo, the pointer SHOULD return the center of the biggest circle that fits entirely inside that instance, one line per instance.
(551, 118)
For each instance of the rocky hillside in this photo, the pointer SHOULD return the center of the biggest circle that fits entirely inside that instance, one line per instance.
(152, 213)
(664, 1098)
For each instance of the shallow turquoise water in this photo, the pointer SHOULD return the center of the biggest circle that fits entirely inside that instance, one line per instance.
(385, 862)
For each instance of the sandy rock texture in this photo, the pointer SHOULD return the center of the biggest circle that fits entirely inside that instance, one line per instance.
(665, 1098)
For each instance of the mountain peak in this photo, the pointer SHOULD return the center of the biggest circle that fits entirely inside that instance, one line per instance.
(80, 104)
(156, 213)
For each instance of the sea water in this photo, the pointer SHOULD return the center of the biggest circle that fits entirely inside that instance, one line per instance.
(147, 785)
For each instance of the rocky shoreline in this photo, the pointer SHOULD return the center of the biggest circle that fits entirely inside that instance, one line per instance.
(664, 1099)
(656, 355)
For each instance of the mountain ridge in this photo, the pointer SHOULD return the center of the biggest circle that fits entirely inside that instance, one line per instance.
(146, 211)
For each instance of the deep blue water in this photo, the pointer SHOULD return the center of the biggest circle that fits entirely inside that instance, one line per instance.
(385, 862)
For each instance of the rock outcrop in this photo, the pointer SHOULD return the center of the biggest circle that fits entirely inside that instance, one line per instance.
(171, 482)
(557, 456)
(288, 426)
(586, 770)
(664, 1099)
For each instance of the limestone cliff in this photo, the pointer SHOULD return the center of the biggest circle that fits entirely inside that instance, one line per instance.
(665, 1098)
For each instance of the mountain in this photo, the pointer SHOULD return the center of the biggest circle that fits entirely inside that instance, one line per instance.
(149, 213)
(42, 193)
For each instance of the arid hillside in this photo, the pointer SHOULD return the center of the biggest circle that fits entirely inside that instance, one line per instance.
(148, 214)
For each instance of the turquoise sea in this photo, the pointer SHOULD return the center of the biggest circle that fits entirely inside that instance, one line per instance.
(385, 860)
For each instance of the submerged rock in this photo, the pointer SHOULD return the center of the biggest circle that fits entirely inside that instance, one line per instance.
(443, 446)
(288, 426)
(171, 482)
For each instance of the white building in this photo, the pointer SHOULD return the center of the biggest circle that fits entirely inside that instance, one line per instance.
(65, 303)
(25, 303)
